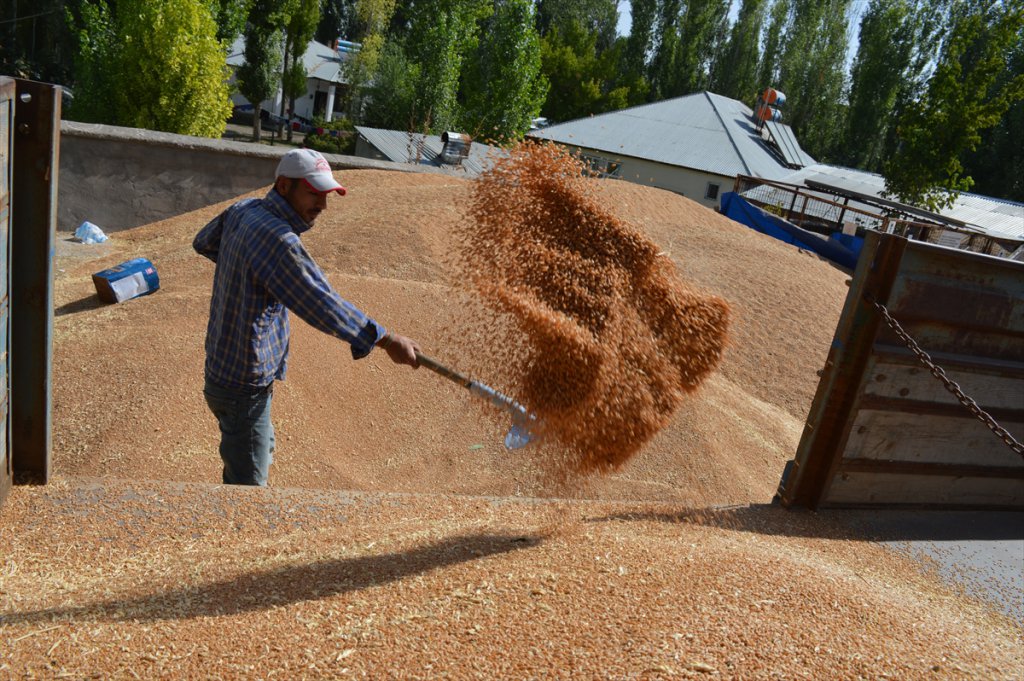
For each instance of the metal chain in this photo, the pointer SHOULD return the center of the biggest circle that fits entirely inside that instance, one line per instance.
(951, 385)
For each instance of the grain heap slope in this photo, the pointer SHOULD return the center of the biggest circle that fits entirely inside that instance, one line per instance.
(127, 378)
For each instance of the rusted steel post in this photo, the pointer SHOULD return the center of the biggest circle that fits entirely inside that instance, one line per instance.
(33, 240)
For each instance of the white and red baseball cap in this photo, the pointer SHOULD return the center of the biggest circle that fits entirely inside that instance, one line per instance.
(311, 166)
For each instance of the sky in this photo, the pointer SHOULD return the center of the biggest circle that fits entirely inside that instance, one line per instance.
(624, 20)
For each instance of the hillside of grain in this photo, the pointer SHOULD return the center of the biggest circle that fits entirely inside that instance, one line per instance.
(128, 377)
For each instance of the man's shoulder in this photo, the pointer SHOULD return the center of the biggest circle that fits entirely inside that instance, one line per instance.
(258, 214)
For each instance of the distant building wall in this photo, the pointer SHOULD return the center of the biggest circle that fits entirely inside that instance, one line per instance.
(704, 188)
(120, 178)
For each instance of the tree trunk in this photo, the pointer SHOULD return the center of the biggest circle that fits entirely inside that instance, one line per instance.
(256, 131)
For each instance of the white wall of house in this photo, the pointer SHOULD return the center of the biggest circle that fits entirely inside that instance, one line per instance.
(702, 187)
(304, 105)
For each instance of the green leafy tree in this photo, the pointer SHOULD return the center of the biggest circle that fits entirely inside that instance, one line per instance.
(584, 80)
(389, 101)
(965, 95)
(373, 17)
(302, 17)
(35, 40)
(502, 83)
(597, 17)
(230, 16)
(442, 34)
(812, 74)
(997, 166)
(154, 64)
(663, 71)
(879, 71)
(338, 19)
(771, 50)
(259, 76)
(635, 52)
(702, 27)
(735, 71)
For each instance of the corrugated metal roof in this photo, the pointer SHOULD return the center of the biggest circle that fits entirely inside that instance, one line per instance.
(412, 147)
(996, 218)
(702, 131)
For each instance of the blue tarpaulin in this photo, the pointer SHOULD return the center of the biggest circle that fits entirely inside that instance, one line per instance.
(842, 249)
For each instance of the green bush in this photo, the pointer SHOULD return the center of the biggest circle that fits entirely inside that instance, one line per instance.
(342, 141)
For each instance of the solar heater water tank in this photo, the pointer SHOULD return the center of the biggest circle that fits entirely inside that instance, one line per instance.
(456, 147)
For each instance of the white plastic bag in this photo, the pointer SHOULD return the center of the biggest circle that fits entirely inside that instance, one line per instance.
(89, 233)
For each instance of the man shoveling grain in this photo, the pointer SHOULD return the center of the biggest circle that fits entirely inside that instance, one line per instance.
(262, 271)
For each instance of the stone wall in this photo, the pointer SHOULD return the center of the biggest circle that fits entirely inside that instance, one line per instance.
(119, 178)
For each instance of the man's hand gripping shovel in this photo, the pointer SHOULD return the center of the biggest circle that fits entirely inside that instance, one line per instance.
(519, 435)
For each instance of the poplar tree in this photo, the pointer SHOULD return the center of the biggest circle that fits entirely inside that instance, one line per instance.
(641, 40)
(664, 67)
(230, 16)
(702, 27)
(502, 82)
(373, 17)
(812, 74)
(337, 20)
(599, 18)
(997, 166)
(302, 17)
(260, 75)
(735, 71)
(771, 52)
(442, 34)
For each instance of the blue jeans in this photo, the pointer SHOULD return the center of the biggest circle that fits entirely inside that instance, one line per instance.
(246, 433)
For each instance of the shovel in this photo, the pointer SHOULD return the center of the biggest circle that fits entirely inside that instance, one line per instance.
(519, 434)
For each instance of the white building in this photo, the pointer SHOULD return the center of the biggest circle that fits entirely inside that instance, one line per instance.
(325, 81)
(694, 145)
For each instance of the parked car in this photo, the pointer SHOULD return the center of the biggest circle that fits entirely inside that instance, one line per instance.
(269, 122)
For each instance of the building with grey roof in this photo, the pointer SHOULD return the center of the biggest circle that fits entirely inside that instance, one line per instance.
(694, 145)
(325, 79)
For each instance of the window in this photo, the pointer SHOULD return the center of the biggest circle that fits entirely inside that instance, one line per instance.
(711, 192)
(601, 167)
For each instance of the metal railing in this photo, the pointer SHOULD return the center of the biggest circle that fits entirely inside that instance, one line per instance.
(810, 210)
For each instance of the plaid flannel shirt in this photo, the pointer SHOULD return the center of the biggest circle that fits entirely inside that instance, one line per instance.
(262, 271)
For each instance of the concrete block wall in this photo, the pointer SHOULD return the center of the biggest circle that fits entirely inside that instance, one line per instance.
(120, 178)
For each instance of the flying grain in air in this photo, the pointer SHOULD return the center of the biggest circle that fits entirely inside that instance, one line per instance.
(599, 336)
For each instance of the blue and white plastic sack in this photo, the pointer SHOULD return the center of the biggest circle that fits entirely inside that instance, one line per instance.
(128, 280)
(89, 233)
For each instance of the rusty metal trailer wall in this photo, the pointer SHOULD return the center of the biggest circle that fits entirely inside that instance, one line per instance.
(6, 159)
(883, 430)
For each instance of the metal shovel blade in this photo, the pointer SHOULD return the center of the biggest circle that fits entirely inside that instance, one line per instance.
(517, 437)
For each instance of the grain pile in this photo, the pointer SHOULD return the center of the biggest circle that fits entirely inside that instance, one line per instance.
(161, 581)
(138, 575)
(128, 378)
(600, 334)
